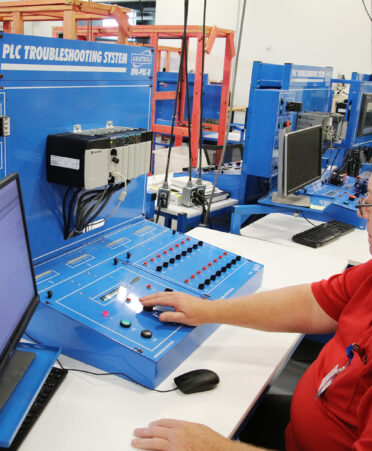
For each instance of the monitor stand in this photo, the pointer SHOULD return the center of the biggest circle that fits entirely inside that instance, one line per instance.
(292, 199)
(13, 373)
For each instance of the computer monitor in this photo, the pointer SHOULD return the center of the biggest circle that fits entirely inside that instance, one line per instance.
(299, 164)
(18, 295)
(365, 117)
(233, 153)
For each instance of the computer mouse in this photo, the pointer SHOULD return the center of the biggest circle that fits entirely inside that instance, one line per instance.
(196, 381)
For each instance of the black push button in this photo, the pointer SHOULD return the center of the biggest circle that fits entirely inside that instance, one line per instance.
(178, 256)
(201, 286)
(228, 265)
(169, 289)
(189, 250)
(172, 260)
(200, 243)
(195, 246)
(223, 269)
(207, 281)
(159, 268)
(146, 333)
(213, 277)
(238, 258)
(233, 261)
(165, 264)
(218, 273)
(183, 253)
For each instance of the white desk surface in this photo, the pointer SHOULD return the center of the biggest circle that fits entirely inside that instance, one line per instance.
(278, 228)
(100, 413)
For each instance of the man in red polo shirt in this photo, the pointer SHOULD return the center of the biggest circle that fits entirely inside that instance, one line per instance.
(332, 404)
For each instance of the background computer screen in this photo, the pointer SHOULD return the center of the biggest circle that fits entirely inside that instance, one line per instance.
(18, 296)
(365, 118)
(302, 158)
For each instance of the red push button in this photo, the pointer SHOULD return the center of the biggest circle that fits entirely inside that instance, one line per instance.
(187, 281)
(105, 313)
(193, 276)
(148, 285)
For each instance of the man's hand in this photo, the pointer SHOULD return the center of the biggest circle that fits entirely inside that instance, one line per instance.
(175, 435)
(189, 309)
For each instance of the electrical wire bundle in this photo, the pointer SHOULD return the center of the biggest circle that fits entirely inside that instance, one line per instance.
(86, 206)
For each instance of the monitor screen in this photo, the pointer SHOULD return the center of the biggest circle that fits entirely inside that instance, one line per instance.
(302, 158)
(18, 295)
(365, 118)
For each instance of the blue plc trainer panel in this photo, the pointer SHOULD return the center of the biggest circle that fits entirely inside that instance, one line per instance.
(90, 281)
(90, 298)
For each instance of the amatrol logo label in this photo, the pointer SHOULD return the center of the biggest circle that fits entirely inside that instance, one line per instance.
(139, 59)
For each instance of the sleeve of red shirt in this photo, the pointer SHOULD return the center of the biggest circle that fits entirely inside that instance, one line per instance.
(333, 294)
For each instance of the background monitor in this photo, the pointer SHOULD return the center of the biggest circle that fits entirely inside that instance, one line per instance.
(18, 294)
(365, 117)
(299, 164)
(233, 153)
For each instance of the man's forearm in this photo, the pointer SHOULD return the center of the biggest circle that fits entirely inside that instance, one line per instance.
(290, 309)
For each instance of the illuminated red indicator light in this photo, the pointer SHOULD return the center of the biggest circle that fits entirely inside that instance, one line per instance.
(149, 285)
(165, 252)
(193, 276)
(204, 268)
(105, 313)
(209, 264)
(220, 256)
(198, 272)
(159, 255)
(188, 239)
(152, 259)
(225, 253)
(215, 260)
(186, 280)
(182, 242)
(145, 263)
(171, 248)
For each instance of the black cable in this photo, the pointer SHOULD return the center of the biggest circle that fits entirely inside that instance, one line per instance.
(186, 12)
(158, 214)
(141, 10)
(64, 210)
(368, 14)
(307, 219)
(70, 212)
(202, 94)
(176, 102)
(102, 374)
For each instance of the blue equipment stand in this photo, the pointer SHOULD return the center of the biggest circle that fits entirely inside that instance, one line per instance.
(17, 406)
(89, 284)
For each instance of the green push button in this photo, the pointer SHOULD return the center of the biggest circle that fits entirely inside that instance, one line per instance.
(125, 323)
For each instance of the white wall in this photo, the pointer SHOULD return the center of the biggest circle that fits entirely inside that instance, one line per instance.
(333, 33)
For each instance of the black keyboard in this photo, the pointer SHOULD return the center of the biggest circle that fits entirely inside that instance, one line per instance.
(52, 382)
(322, 234)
